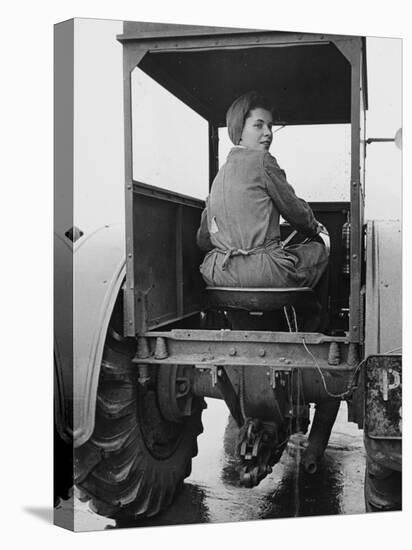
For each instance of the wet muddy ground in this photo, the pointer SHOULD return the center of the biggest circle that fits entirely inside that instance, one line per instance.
(212, 492)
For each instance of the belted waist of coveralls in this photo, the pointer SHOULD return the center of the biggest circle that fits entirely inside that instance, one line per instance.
(229, 253)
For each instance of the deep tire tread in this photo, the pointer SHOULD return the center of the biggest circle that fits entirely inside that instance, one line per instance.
(122, 477)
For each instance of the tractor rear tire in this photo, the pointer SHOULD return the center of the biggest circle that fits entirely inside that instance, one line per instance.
(136, 460)
(383, 489)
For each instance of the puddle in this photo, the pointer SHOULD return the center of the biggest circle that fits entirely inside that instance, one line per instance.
(212, 492)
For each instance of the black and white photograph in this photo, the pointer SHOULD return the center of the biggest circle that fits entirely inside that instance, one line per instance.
(228, 332)
(205, 282)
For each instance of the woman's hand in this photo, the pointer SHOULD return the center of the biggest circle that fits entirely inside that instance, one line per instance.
(324, 235)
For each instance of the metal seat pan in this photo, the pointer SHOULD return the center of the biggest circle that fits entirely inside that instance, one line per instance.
(259, 299)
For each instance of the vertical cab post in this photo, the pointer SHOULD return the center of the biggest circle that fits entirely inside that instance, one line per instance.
(353, 49)
(356, 197)
(213, 152)
(131, 58)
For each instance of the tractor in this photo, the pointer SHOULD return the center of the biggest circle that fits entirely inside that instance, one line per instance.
(140, 342)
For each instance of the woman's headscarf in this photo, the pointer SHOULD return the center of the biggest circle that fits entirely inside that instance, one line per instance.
(238, 111)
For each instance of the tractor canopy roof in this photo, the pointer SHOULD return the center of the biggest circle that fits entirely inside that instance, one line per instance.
(308, 77)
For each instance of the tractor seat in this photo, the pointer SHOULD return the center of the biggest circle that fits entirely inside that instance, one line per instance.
(259, 299)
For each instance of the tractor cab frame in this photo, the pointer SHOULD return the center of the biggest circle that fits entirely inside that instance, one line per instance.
(312, 79)
(266, 376)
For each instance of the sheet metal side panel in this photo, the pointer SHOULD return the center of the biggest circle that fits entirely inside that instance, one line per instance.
(165, 258)
(192, 257)
(383, 319)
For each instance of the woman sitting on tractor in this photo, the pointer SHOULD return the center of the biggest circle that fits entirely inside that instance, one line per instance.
(240, 224)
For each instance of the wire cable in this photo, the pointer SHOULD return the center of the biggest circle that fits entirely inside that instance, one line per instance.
(350, 385)
(295, 319)
(355, 372)
(390, 351)
(285, 311)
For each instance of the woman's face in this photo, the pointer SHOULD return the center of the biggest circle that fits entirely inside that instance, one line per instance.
(257, 130)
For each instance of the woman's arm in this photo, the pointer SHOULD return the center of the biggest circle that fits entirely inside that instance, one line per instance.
(295, 210)
(203, 236)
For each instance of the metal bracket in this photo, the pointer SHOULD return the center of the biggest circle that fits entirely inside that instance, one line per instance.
(213, 373)
(278, 376)
(221, 380)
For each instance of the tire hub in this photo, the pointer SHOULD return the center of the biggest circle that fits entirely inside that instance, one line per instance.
(161, 436)
(174, 383)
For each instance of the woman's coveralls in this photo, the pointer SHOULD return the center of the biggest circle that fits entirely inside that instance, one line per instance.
(240, 227)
